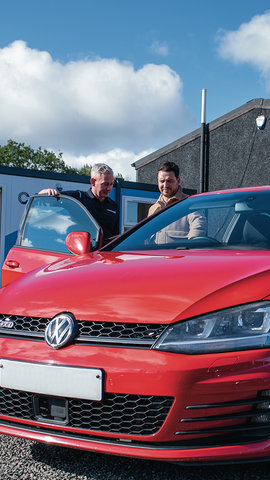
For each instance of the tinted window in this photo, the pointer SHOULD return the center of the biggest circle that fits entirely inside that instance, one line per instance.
(49, 220)
(229, 220)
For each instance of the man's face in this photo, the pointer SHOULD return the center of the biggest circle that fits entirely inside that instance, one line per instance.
(168, 184)
(102, 186)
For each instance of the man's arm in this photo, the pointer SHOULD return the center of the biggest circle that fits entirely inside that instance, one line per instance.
(197, 224)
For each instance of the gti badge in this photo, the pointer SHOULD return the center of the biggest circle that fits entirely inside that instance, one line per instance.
(7, 323)
(61, 330)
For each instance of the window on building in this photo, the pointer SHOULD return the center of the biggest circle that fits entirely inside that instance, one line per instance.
(135, 209)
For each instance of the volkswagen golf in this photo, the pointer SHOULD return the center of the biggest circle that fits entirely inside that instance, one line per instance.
(156, 346)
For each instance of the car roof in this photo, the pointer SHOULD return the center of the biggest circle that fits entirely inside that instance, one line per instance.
(235, 190)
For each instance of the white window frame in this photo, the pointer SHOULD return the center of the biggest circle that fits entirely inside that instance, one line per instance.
(125, 200)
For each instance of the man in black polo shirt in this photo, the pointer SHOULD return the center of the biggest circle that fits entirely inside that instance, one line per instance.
(97, 201)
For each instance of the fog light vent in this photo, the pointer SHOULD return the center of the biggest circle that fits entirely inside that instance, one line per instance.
(265, 394)
(261, 419)
(263, 409)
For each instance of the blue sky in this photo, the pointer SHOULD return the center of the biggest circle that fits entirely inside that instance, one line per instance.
(113, 80)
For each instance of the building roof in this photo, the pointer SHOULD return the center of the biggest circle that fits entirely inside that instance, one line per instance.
(252, 104)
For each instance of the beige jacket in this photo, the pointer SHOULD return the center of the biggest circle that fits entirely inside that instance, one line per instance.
(192, 225)
(160, 203)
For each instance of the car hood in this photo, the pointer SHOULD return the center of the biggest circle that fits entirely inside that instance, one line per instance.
(151, 287)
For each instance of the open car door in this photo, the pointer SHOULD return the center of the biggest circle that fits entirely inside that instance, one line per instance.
(41, 237)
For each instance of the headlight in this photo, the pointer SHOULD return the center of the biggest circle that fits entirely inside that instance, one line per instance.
(239, 328)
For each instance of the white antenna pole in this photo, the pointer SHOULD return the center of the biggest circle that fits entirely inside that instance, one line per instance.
(202, 151)
(203, 113)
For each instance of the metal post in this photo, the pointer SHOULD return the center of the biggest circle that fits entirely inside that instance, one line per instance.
(202, 151)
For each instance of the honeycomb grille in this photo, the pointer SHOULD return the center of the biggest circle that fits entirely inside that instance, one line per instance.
(130, 414)
(143, 334)
(116, 413)
(121, 331)
(17, 403)
(32, 325)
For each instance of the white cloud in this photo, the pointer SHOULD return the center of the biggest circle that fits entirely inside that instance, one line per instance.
(160, 48)
(50, 220)
(249, 44)
(119, 160)
(100, 108)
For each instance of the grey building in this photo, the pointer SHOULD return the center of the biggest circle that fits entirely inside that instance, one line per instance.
(237, 152)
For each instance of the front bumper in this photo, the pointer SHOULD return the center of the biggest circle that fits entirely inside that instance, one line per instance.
(213, 402)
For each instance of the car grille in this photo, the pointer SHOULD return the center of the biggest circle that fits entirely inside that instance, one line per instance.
(116, 413)
(138, 415)
(133, 334)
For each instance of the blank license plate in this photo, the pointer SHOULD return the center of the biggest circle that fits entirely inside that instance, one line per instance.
(58, 380)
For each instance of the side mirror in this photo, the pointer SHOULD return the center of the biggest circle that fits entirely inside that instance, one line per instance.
(79, 242)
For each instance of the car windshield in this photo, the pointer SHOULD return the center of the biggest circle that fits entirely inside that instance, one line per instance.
(233, 220)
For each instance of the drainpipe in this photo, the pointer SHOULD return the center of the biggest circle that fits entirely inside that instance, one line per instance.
(202, 151)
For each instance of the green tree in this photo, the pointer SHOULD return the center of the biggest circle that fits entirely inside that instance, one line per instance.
(19, 155)
(85, 170)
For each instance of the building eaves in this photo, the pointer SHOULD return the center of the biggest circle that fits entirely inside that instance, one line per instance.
(252, 104)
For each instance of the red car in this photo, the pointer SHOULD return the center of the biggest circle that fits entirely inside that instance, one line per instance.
(156, 346)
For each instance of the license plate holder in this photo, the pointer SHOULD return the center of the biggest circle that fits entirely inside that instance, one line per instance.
(52, 380)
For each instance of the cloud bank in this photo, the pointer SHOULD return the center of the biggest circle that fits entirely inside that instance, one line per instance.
(249, 44)
(89, 109)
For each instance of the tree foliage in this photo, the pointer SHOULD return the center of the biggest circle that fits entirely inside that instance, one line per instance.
(19, 155)
(85, 170)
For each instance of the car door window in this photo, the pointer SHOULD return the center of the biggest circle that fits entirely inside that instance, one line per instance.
(50, 219)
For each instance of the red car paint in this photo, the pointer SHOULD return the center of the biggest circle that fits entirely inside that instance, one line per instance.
(213, 394)
(25, 261)
(221, 279)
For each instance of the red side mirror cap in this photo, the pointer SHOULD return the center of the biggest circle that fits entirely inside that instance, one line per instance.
(79, 242)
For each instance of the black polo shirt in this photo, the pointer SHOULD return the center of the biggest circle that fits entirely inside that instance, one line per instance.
(106, 213)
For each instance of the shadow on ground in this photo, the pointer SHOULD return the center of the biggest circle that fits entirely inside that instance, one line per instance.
(94, 466)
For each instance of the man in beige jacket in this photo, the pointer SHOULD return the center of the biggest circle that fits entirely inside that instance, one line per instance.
(169, 187)
(192, 225)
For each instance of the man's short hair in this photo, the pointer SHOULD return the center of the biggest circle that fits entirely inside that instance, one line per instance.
(169, 167)
(100, 168)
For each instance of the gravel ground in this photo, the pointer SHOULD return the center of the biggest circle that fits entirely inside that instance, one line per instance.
(27, 460)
